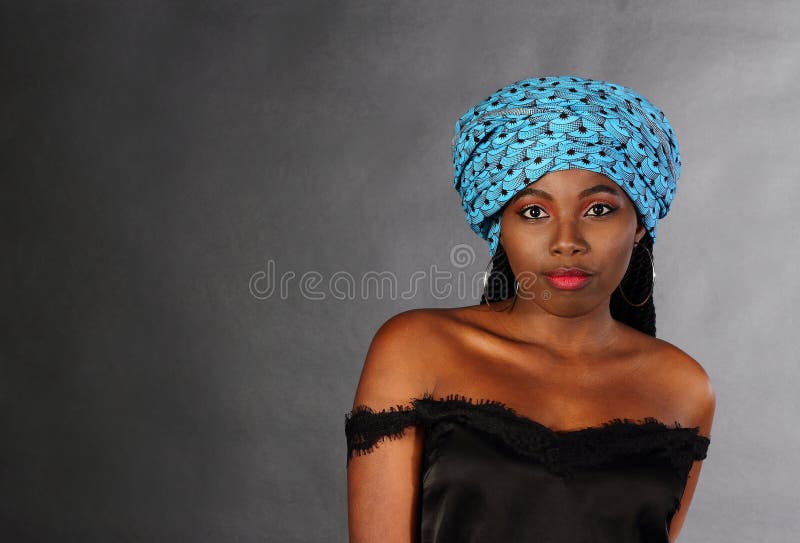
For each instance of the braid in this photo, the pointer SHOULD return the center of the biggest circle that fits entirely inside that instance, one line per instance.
(500, 283)
(636, 283)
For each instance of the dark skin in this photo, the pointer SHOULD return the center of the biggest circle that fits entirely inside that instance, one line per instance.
(562, 361)
(556, 228)
(563, 344)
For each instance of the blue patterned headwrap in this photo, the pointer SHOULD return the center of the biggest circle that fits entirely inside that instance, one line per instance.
(539, 125)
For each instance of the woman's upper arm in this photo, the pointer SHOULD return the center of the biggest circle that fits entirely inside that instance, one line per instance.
(700, 402)
(383, 478)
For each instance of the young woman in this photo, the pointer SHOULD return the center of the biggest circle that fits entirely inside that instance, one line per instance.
(549, 411)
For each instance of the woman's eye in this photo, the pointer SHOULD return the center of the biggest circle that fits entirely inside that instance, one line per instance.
(529, 208)
(535, 211)
(601, 206)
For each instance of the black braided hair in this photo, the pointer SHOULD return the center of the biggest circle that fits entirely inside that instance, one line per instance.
(637, 283)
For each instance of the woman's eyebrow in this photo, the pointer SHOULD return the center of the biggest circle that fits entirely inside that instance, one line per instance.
(587, 192)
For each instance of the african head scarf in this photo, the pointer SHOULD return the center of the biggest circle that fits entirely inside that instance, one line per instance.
(539, 125)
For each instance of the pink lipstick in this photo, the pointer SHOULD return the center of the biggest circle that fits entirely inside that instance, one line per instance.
(568, 278)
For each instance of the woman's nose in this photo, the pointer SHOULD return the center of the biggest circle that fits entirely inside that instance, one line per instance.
(567, 239)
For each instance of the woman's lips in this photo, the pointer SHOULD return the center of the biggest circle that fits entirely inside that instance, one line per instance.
(568, 282)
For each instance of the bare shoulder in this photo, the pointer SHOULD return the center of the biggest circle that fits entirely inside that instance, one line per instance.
(687, 384)
(401, 361)
(416, 333)
(384, 486)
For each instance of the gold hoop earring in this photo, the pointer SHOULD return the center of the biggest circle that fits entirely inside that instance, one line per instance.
(486, 275)
(652, 264)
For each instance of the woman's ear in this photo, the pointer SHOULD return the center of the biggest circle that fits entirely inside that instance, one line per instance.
(640, 231)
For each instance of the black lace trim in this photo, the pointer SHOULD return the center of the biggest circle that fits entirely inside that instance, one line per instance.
(559, 451)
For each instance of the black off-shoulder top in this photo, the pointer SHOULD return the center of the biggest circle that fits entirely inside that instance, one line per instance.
(491, 474)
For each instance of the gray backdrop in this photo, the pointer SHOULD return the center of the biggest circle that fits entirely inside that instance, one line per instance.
(160, 157)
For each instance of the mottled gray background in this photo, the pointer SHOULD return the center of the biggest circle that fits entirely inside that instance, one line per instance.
(158, 155)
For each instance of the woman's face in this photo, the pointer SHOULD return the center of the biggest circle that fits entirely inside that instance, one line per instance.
(570, 218)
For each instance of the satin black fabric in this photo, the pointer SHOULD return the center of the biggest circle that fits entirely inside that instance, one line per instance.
(490, 474)
(473, 491)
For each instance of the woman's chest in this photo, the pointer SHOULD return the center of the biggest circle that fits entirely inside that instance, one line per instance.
(564, 398)
(500, 481)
